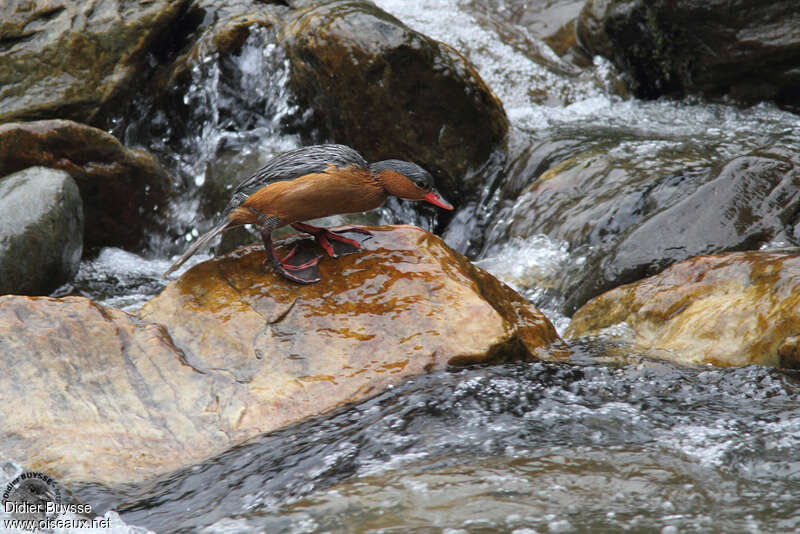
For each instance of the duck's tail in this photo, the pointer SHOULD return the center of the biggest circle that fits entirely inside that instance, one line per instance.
(201, 242)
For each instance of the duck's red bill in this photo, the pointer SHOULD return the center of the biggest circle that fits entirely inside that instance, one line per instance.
(436, 200)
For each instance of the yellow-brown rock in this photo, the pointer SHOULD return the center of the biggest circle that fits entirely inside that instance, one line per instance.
(93, 393)
(728, 310)
(230, 351)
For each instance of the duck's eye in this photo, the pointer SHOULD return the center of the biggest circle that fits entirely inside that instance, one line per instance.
(422, 184)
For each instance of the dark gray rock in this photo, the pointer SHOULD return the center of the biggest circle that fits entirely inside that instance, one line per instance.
(596, 196)
(749, 50)
(41, 231)
(627, 216)
(749, 201)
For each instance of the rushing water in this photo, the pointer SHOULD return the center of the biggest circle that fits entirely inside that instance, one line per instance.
(587, 447)
(555, 448)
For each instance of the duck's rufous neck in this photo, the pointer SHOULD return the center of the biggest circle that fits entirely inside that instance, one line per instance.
(398, 185)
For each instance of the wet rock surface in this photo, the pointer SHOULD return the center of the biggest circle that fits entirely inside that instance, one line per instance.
(41, 230)
(728, 310)
(746, 50)
(755, 200)
(122, 189)
(99, 395)
(365, 303)
(75, 60)
(635, 216)
(392, 92)
(230, 351)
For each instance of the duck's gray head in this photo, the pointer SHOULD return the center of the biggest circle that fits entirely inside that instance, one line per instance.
(421, 185)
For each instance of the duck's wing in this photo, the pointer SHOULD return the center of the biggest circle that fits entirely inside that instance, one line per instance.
(293, 164)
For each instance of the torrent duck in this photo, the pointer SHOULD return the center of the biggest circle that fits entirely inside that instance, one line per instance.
(313, 182)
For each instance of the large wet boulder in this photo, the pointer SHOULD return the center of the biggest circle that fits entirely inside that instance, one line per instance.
(95, 394)
(747, 50)
(41, 231)
(365, 303)
(743, 204)
(729, 310)
(392, 92)
(230, 350)
(631, 215)
(122, 189)
(76, 60)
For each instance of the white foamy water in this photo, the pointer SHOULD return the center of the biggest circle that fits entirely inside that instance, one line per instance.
(124, 280)
(262, 72)
(533, 267)
(516, 79)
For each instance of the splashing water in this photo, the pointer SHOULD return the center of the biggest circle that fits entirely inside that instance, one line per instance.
(120, 279)
(533, 267)
(244, 117)
(237, 104)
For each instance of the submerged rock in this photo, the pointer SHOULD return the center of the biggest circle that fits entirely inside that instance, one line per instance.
(75, 59)
(729, 310)
(746, 50)
(41, 231)
(392, 92)
(231, 350)
(122, 189)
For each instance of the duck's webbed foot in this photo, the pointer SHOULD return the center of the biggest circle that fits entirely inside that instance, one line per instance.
(335, 245)
(299, 265)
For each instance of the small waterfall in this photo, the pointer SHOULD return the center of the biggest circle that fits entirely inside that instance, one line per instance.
(238, 104)
(226, 123)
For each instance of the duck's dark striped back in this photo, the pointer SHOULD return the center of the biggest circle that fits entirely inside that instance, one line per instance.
(293, 164)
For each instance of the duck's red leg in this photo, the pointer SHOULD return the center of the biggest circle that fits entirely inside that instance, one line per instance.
(334, 244)
(303, 273)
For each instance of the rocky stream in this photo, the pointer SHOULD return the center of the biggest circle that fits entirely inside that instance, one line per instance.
(603, 336)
